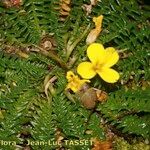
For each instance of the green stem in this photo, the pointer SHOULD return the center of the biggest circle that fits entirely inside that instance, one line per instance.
(53, 56)
(72, 46)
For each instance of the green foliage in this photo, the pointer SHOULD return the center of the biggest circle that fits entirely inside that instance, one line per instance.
(121, 144)
(94, 125)
(28, 22)
(43, 128)
(129, 111)
(28, 114)
(18, 92)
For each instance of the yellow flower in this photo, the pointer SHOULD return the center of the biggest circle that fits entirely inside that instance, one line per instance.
(101, 61)
(94, 33)
(74, 82)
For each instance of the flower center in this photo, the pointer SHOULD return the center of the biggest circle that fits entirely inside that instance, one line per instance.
(97, 67)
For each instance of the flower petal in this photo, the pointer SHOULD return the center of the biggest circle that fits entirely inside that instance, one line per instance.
(98, 21)
(70, 75)
(96, 53)
(109, 75)
(92, 36)
(94, 33)
(85, 70)
(111, 57)
(74, 82)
